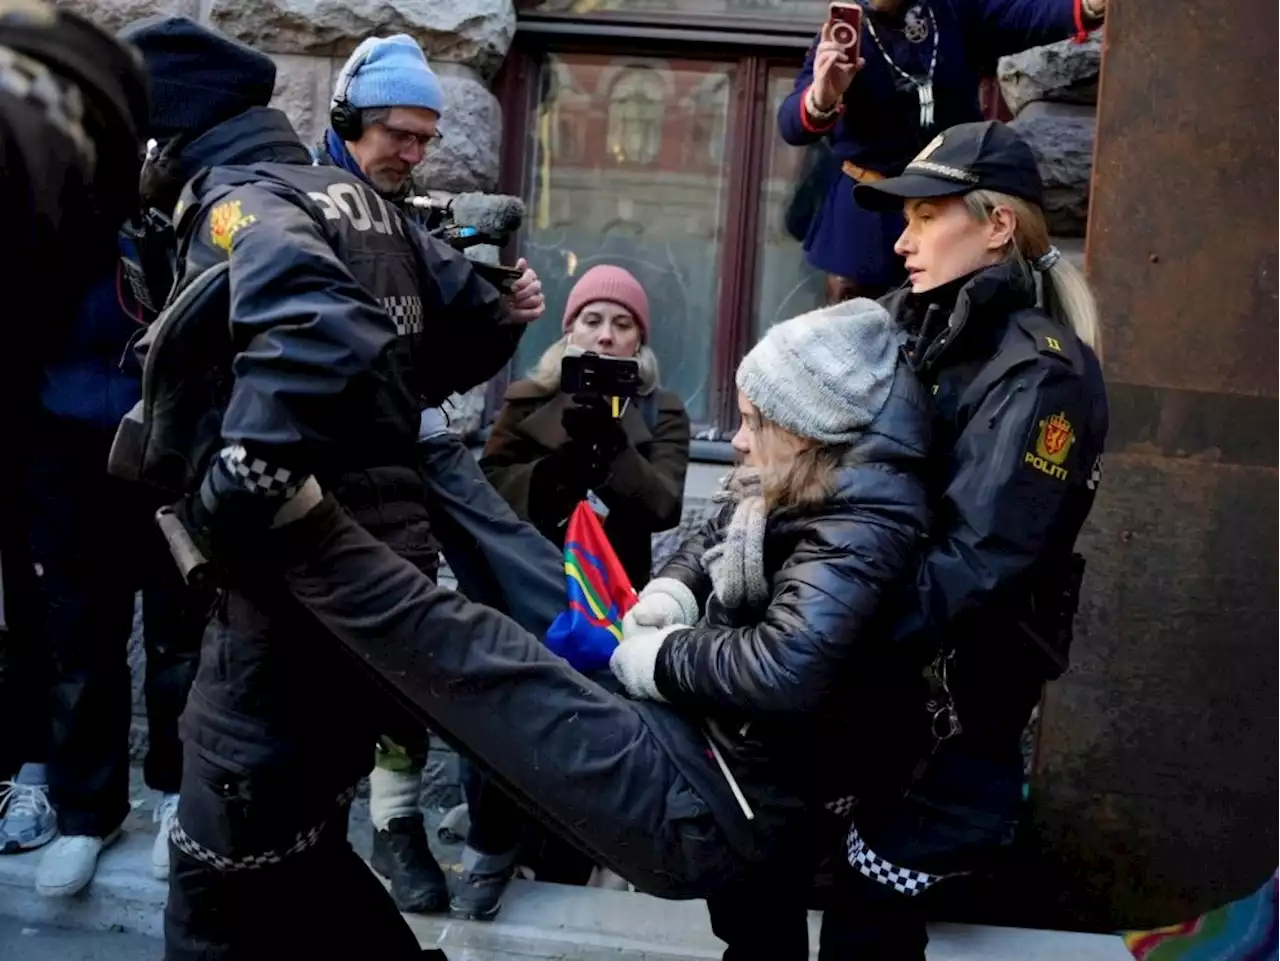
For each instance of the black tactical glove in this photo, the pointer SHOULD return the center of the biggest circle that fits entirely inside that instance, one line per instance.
(596, 437)
(227, 524)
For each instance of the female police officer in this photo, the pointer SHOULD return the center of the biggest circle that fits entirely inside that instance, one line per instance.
(1004, 332)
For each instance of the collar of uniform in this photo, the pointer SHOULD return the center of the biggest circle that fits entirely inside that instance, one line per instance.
(993, 292)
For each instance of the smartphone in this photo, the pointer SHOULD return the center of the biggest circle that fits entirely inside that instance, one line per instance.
(590, 373)
(846, 27)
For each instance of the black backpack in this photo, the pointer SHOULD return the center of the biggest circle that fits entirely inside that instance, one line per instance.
(168, 438)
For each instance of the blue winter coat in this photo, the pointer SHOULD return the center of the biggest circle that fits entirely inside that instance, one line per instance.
(880, 127)
(92, 379)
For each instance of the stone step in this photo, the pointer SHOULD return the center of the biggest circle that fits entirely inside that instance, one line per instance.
(538, 921)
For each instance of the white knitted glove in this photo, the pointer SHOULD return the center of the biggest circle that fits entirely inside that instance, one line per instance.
(634, 662)
(663, 601)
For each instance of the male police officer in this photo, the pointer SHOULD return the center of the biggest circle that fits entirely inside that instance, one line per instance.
(344, 320)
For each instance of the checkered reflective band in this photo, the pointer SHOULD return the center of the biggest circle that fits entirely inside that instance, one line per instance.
(302, 841)
(406, 313)
(871, 865)
(259, 476)
(842, 807)
(1095, 475)
(26, 79)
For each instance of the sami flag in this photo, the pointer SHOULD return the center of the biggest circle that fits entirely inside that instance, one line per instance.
(599, 594)
(1243, 930)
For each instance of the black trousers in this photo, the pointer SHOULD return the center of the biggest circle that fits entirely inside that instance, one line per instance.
(93, 545)
(499, 825)
(863, 920)
(318, 902)
(24, 660)
(632, 784)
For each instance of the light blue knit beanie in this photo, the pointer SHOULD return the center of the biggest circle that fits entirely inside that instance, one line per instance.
(390, 72)
(824, 374)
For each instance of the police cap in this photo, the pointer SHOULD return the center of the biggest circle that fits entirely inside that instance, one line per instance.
(969, 156)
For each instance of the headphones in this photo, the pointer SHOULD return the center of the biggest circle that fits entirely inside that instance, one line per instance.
(345, 119)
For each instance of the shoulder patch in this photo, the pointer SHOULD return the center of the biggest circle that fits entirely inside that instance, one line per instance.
(225, 221)
(1049, 337)
(1051, 446)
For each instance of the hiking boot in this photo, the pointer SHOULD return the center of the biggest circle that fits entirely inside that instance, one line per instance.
(477, 894)
(402, 856)
(27, 820)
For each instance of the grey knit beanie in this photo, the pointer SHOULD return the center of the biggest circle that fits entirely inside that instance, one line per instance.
(825, 374)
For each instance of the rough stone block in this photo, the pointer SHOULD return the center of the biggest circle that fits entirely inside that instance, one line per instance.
(1063, 72)
(1062, 137)
(467, 158)
(474, 32)
(114, 14)
(303, 88)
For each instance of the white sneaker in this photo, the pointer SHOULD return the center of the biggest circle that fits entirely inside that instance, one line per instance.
(27, 820)
(68, 864)
(165, 813)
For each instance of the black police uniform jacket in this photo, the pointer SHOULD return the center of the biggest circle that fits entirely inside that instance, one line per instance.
(346, 320)
(1020, 419)
(806, 700)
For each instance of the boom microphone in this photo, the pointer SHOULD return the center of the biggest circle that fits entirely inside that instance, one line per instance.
(492, 214)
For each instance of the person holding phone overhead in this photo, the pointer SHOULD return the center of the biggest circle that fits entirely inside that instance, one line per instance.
(880, 92)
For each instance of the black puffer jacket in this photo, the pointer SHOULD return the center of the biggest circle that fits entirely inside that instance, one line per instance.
(767, 679)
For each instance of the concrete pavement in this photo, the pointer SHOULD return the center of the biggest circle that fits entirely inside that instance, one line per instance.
(538, 921)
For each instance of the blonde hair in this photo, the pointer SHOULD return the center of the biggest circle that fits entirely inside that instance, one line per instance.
(797, 471)
(1068, 298)
(546, 372)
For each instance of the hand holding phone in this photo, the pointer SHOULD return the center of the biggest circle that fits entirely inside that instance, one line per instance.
(838, 56)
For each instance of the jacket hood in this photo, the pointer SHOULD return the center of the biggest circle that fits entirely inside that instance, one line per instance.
(900, 431)
(259, 135)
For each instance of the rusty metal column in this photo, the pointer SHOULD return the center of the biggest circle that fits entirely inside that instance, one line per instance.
(1155, 779)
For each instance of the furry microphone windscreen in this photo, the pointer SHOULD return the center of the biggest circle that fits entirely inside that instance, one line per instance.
(488, 213)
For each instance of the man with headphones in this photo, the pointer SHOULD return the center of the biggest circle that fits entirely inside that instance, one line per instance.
(386, 106)
(385, 112)
(344, 319)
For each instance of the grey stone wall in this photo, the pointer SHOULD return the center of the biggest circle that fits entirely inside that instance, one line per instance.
(1053, 93)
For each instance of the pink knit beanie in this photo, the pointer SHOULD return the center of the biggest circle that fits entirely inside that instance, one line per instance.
(614, 284)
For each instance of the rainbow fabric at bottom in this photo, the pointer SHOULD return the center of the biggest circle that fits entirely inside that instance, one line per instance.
(1243, 930)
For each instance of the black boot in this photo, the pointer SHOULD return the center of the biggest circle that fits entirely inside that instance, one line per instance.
(477, 896)
(402, 856)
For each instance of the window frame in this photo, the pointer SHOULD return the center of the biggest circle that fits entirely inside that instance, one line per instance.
(755, 48)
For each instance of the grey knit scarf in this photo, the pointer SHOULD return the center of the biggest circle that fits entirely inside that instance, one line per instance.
(736, 564)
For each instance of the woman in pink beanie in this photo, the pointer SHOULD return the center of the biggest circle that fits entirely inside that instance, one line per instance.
(548, 452)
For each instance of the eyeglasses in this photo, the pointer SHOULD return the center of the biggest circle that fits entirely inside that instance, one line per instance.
(404, 139)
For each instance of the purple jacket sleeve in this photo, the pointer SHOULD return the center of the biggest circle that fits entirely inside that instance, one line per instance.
(1003, 27)
(791, 119)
